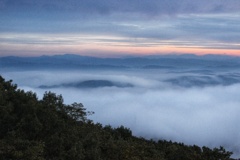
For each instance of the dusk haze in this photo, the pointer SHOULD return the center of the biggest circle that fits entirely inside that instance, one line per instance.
(120, 79)
(113, 28)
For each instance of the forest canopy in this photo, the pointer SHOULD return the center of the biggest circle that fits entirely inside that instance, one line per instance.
(39, 129)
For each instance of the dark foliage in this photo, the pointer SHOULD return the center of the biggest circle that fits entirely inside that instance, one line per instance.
(33, 129)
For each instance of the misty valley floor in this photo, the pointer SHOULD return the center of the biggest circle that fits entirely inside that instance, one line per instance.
(191, 107)
(184, 98)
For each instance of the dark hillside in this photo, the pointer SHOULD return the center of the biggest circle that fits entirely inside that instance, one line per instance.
(33, 129)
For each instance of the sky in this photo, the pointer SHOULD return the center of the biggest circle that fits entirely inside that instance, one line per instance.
(113, 28)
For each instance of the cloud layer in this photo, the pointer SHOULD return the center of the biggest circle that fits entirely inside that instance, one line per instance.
(162, 26)
(153, 108)
(134, 6)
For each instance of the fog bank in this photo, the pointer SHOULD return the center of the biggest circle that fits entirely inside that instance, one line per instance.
(153, 107)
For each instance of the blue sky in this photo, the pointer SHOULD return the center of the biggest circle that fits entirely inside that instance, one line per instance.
(113, 28)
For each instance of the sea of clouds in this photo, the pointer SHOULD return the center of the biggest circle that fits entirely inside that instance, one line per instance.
(153, 107)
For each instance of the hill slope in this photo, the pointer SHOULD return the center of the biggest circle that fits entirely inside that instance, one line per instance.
(33, 129)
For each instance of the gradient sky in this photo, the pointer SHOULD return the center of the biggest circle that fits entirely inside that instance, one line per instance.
(113, 28)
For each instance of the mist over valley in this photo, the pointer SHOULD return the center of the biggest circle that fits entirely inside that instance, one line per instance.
(190, 99)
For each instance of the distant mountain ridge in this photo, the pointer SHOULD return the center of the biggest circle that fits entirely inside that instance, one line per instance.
(89, 84)
(145, 62)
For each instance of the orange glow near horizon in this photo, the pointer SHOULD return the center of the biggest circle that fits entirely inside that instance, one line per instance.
(98, 46)
(106, 51)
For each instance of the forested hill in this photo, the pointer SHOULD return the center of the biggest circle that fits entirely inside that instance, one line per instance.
(33, 129)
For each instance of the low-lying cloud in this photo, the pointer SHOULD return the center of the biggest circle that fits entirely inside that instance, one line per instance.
(153, 107)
